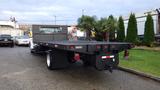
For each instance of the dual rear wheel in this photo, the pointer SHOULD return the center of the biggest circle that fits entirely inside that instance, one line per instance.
(49, 61)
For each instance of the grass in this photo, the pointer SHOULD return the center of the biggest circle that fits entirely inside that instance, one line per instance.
(147, 61)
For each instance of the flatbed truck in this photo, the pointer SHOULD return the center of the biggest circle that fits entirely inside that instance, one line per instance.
(60, 52)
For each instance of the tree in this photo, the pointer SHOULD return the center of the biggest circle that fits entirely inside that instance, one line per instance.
(112, 26)
(149, 31)
(121, 30)
(104, 28)
(87, 23)
(99, 29)
(108, 27)
(132, 29)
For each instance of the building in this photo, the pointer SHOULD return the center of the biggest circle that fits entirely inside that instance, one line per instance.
(74, 33)
(141, 19)
(10, 27)
(26, 28)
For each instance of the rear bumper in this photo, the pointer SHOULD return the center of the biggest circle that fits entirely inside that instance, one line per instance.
(23, 43)
(6, 42)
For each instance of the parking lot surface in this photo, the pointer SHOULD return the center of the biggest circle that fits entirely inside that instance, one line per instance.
(20, 70)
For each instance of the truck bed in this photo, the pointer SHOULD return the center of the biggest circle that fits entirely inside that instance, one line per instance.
(86, 46)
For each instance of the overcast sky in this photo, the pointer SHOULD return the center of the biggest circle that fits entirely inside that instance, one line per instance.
(67, 11)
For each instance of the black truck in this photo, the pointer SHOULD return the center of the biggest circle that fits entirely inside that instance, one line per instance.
(60, 52)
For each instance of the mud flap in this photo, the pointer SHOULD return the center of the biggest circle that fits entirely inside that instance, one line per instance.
(59, 58)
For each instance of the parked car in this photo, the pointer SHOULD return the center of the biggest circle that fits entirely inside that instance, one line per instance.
(22, 40)
(6, 39)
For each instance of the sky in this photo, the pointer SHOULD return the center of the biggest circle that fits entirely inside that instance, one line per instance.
(68, 11)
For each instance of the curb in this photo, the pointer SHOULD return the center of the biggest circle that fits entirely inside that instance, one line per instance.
(140, 74)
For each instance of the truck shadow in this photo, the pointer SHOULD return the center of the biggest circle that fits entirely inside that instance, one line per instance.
(76, 72)
(83, 74)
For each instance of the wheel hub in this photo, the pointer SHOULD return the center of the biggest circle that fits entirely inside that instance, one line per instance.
(48, 60)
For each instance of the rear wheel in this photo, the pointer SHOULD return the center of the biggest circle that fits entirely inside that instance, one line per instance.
(49, 60)
(32, 51)
(12, 45)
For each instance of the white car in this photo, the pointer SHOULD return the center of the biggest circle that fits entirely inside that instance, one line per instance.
(22, 40)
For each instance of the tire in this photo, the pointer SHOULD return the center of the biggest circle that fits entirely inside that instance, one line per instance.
(12, 45)
(86, 63)
(49, 60)
(32, 51)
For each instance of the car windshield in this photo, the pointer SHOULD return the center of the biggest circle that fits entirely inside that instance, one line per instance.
(23, 37)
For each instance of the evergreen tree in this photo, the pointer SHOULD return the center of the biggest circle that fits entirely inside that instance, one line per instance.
(121, 30)
(149, 31)
(132, 29)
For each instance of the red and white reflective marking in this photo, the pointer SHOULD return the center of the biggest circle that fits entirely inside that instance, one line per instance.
(107, 57)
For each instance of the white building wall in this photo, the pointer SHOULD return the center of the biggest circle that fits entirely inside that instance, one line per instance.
(76, 31)
(141, 25)
(9, 27)
(13, 24)
(12, 32)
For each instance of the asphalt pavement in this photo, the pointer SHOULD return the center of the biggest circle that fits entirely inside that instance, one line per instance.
(20, 70)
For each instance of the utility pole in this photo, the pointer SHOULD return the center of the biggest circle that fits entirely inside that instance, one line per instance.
(66, 22)
(82, 12)
(55, 19)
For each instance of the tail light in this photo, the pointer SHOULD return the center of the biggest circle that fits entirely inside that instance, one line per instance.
(108, 52)
(72, 47)
(98, 47)
(105, 47)
(113, 46)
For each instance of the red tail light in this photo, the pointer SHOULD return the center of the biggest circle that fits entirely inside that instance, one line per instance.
(108, 52)
(113, 46)
(98, 47)
(105, 46)
(71, 46)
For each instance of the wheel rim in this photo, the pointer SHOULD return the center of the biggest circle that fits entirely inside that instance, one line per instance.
(48, 60)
